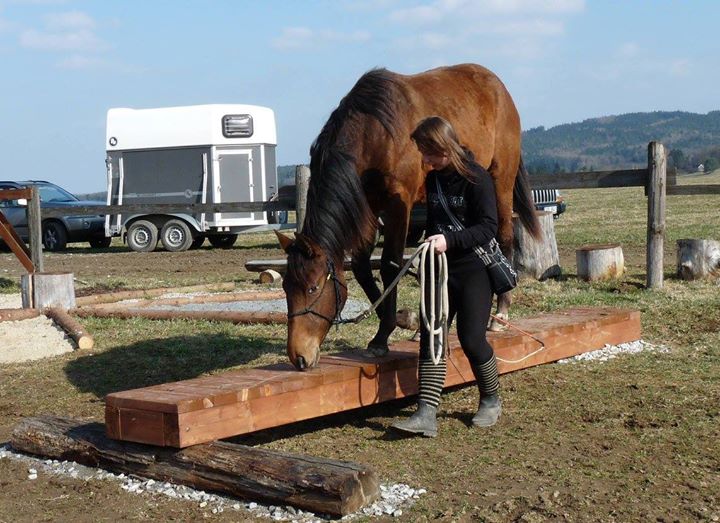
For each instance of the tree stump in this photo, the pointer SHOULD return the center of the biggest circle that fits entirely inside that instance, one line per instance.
(698, 259)
(48, 289)
(599, 261)
(538, 259)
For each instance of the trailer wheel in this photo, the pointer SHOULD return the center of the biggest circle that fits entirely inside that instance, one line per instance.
(54, 236)
(223, 241)
(176, 236)
(100, 243)
(197, 242)
(142, 236)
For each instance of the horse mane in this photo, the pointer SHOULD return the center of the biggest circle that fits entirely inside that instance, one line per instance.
(338, 215)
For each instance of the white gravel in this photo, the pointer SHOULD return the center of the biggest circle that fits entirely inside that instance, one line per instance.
(609, 352)
(393, 498)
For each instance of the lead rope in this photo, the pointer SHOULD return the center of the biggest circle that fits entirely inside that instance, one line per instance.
(440, 309)
(421, 250)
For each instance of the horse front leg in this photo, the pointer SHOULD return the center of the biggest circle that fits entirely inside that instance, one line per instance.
(363, 274)
(390, 265)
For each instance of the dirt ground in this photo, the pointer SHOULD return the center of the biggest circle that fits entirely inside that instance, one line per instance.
(632, 439)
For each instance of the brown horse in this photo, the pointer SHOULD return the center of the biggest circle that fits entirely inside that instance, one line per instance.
(364, 163)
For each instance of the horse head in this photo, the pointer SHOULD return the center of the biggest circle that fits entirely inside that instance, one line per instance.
(315, 290)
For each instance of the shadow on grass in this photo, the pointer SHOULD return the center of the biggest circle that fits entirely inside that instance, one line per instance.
(156, 361)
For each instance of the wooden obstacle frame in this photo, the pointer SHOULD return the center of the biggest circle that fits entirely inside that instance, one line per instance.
(241, 401)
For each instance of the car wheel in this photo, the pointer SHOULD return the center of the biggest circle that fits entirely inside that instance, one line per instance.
(142, 236)
(197, 242)
(176, 236)
(223, 241)
(54, 236)
(100, 243)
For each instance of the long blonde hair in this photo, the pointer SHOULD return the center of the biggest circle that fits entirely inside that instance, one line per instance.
(435, 135)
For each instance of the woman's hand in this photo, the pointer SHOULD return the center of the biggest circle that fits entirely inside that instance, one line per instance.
(440, 242)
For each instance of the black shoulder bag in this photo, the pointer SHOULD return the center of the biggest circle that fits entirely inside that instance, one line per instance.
(503, 277)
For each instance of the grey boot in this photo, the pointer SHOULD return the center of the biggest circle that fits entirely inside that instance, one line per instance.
(488, 411)
(488, 384)
(423, 422)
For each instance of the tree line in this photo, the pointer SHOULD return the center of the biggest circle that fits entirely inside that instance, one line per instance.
(620, 142)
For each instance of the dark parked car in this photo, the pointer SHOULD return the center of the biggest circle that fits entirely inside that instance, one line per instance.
(56, 232)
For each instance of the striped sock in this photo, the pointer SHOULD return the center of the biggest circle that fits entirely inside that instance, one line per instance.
(432, 379)
(487, 377)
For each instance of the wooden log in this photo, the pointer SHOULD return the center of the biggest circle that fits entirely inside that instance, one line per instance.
(18, 314)
(71, 326)
(599, 261)
(270, 276)
(109, 297)
(14, 242)
(48, 289)
(241, 318)
(657, 169)
(698, 259)
(320, 485)
(536, 259)
(205, 298)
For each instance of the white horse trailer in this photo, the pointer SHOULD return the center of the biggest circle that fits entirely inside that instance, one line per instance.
(191, 155)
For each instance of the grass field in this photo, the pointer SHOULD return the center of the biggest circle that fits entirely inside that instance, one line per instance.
(632, 439)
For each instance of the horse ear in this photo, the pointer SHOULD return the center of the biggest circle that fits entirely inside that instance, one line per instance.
(308, 246)
(285, 241)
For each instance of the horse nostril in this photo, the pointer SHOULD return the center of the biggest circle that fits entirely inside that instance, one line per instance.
(300, 363)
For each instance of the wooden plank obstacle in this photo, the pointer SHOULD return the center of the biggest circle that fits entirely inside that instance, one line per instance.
(241, 401)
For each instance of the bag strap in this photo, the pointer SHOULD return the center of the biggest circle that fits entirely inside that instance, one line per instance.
(443, 201)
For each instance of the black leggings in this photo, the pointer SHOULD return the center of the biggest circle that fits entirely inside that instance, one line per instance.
(470, 300)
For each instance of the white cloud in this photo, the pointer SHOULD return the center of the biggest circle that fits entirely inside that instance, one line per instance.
(60, 41)
(68, 31)
(69, 21)
(78, 62)
(302, 37)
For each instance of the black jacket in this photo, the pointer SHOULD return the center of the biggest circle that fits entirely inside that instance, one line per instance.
(473, 204)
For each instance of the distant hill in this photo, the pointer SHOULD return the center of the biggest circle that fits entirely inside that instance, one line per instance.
(614, 142)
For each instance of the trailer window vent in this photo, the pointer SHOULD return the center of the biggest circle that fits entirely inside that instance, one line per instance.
(237, 125)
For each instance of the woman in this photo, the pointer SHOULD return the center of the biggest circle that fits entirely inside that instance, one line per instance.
(470, 195)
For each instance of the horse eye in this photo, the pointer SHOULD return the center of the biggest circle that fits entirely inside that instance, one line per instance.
(313, 289)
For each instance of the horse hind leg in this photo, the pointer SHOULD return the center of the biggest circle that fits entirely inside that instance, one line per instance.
(505, 238)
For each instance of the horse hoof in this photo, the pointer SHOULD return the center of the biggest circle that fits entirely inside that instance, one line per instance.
(376, 351)
(496, 326)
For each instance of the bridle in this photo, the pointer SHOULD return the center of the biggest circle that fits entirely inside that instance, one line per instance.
(337, 319)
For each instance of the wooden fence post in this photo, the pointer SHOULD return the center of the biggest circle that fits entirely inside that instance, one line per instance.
(35, 229)
(302, 181)
(656, 214)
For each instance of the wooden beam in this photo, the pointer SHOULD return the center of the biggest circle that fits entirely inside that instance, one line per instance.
(17, 246)
(204, 298)
(246, 400)
(281, 265)
(164, 208)
(241, 318)
(320, 485)
(109, 297)
(590, 180)
(692, 190)
(15, 194)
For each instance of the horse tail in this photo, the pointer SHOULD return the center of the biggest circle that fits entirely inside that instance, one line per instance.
(523, 202)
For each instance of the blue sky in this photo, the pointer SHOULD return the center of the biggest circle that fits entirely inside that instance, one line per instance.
(64, 63)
